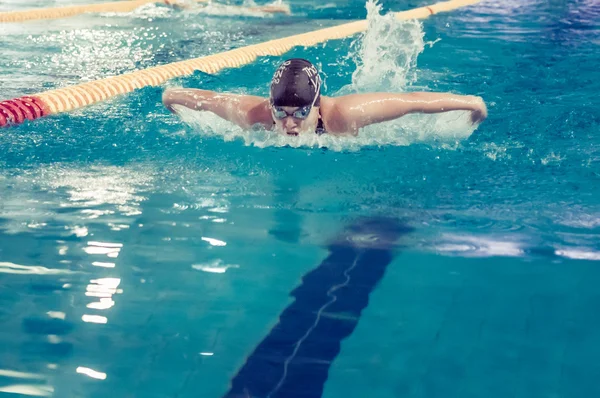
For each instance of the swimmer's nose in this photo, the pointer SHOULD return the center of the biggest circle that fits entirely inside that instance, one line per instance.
(289, 123)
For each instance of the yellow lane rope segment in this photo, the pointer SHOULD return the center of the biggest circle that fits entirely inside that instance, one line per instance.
(115, 6)
(69, 98)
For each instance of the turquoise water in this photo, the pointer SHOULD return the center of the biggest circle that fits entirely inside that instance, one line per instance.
(159, 253)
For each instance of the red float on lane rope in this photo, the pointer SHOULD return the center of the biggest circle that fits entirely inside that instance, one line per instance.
(19, 116)
(9, 116)
(37, 109)
(22, 107)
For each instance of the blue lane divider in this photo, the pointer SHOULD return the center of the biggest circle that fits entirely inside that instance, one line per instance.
(293, 360)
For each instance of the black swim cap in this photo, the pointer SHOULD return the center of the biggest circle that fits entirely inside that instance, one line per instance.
(296, 83)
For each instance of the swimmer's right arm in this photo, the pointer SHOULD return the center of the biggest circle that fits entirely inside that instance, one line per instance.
(243, 110)
(351, 112)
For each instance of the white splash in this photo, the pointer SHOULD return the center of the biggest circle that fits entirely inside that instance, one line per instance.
(386, 54)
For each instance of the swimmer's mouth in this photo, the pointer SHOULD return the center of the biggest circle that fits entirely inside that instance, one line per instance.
(292, 133)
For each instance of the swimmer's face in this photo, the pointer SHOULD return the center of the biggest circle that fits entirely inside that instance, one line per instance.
(293, 120)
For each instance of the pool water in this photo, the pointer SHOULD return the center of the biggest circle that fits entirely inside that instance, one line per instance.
(146, 254)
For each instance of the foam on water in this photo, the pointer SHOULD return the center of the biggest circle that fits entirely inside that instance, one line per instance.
(386, 58)
(247, 10)
(192, 8)
(143, 12)
(386, 53)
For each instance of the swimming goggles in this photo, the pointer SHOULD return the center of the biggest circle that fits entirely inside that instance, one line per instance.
(280, 113)
(302, 113)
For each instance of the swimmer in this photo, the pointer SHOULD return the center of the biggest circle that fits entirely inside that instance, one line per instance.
(295, 105)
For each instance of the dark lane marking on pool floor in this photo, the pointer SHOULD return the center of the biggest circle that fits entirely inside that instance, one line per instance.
(293, 360)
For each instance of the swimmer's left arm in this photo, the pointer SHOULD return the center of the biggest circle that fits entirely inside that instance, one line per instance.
(351, 112)
(243, 110)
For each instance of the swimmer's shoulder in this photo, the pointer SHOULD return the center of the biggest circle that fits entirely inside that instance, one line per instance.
(333, 119)
(258, 111)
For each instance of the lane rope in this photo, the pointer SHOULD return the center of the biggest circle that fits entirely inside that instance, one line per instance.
(115, 6)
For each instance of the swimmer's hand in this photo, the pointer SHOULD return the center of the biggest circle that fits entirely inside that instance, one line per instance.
(479, 113)
(169, 98)
(243, 110)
